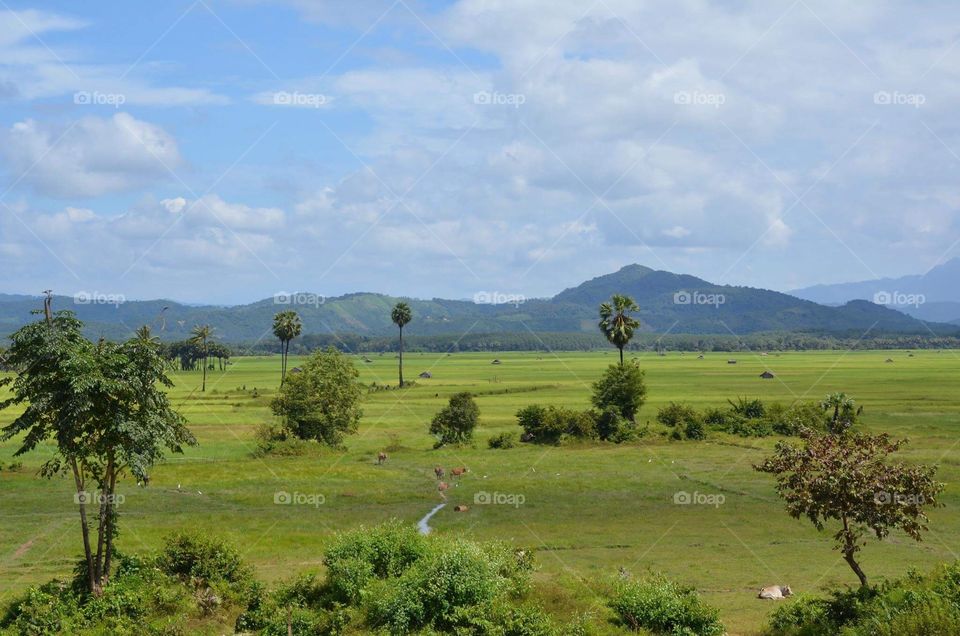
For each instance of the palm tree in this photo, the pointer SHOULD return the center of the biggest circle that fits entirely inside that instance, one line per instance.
(199, 336)
(616, 324)
(401, 315)
(286, 327)
(844, 412)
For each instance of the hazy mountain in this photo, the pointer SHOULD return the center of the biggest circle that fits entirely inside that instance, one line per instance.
(934, 296)
(673, 303)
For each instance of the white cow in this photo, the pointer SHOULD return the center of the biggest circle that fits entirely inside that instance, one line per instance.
(775, 592)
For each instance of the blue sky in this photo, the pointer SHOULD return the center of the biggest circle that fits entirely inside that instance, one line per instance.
(222, 151)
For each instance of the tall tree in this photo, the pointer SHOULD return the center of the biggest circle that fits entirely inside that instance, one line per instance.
(844, 412)
(616, 323)
(200, 336)
(401, 315)
(844, 478)
(286, 327)
(103, 406)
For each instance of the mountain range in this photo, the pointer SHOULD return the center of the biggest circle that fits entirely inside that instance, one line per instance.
(934, 296)
(669, 303)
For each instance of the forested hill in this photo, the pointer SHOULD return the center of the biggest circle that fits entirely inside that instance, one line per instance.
(669, 302)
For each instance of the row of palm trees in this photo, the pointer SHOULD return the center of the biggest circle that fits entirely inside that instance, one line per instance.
(616, 323)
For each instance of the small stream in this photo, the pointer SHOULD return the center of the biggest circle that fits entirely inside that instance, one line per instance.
(424, 524)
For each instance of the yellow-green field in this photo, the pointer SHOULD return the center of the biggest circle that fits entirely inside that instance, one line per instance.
(589, 509)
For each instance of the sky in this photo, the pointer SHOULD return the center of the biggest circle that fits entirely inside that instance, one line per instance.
(223, 151)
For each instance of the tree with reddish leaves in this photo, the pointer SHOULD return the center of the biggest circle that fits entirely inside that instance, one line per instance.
(845, 478)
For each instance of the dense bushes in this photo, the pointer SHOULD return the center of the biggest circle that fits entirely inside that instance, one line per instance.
(662, 606)
(915, 604)
(553, 424)
(744, 417)
(192, 577)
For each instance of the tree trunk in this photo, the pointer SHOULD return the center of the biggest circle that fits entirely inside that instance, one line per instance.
(91, 581)
(204, 386)
(621, 356)
(849, 549)
(111, 522)
(401, 357)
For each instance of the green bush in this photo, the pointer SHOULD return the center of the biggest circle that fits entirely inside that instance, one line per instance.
(196, 556)
(621, 387)
(675, 414)
(549, 425)
(612, 426)
(356, 558)
(443, 590)
(695, 429)
(503, 440)
(455, 422)
(663, 606)
(749, 409)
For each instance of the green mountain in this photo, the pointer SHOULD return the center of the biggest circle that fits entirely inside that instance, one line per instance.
(669, 302)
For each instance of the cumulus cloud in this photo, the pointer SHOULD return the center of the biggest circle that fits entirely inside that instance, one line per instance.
(91, 156)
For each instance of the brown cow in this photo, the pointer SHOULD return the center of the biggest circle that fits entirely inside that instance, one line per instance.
(442, 488)
(439, 472)
(381, 458)
(457, 472)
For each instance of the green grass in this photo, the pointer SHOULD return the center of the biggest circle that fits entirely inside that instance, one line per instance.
(588, 509)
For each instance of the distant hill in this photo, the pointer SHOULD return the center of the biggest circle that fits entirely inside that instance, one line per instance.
(934, 296)
(674, 303)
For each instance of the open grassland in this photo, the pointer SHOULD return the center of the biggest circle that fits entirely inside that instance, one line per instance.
(587, 509)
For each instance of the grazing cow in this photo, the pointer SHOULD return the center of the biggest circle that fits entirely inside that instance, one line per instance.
(457, 472)
(461, 508)
(381, 458)
(439, 472)
(442, 488)
(775, 592)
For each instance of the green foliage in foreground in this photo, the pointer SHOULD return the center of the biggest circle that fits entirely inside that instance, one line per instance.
(744, 418)
(622, 388)
(662, 606)
(455, 422)
(917, 604)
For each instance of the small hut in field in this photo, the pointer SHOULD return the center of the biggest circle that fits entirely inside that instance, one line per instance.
(731, 361)
(767, 375)
(426, 375)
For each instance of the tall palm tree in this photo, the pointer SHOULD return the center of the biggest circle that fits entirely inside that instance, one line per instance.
(286, 327)
(616, 323)
(401, 315)
(200, 335)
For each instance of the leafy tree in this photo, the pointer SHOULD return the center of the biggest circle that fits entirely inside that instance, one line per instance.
(841, 410)
(401, 315)
(845, 478)
(621, 387)
(322, 402)
(104, 407)
(616, 323)
(200, 336)
(455, 422)
(286, 327)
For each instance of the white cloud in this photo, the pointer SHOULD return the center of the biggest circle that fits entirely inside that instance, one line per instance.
(91, 156)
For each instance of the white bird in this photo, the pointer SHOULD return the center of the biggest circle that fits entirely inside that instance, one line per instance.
(178, 486)
(199, 493)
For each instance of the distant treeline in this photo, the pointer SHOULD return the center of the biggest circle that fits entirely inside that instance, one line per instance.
(590, 342)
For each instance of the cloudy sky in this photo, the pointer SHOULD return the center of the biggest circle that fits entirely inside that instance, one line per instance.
(224, 150)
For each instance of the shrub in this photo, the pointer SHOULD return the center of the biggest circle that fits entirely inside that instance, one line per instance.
(716, 418)
(614, 427)
(455, 422)
(443, 590)
(621, 387)
(695, 429)
(663, 606)
(676, 414)
(539, 426)
(503, 440)
(201, 560)
(389, 549)
(747, 408)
